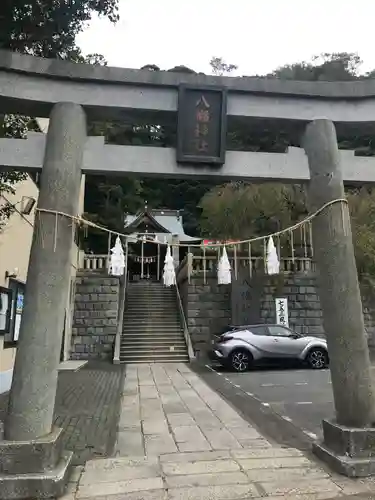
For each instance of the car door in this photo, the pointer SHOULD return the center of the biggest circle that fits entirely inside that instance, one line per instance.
(261, 340)
(283, 343)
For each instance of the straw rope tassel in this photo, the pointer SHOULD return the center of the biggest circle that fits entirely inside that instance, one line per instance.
(250, 262)
(235, 262)
(292, 245)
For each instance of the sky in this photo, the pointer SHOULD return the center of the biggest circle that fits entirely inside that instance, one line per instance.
(256, 35)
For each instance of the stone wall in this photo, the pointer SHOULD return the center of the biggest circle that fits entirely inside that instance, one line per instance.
(305, 312)
(207, 310)
(209, 307)
(95, 316)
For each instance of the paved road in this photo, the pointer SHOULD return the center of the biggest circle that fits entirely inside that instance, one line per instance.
(287, 405)
(303, 397)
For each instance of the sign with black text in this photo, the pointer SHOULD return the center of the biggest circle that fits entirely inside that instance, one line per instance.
(201, 133)
(282, 318)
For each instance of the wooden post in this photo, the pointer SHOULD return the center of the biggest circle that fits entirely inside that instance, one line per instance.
(142, 254)
(158, 264)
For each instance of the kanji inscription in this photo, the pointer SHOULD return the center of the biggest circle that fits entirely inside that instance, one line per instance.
(201, 125)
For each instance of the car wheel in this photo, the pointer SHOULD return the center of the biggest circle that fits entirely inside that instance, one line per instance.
(240, 360)
(317, 359)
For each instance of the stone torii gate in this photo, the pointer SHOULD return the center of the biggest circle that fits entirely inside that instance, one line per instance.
(31, 461)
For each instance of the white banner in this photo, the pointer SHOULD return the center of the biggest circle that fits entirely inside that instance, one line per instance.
(282, 312)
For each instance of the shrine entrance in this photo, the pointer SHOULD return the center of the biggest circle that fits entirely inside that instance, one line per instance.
(145, 261)
(149, 232)
(198, 105)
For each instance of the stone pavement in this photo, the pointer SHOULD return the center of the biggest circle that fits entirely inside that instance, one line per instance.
(87, 408)
(178, 440)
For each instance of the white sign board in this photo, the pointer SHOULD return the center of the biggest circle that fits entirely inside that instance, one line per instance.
(282, 312)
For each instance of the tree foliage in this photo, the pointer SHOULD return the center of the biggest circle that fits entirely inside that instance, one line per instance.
(45, 28)
(48, 28)
(108, 199)
(243, 210)
(240, 210)
(15, 126)
(340, 66)
(219, 67)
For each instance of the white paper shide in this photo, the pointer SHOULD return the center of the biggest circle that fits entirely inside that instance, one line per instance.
(117, 259)
(272, 260)
(169, 273)
(224, 275)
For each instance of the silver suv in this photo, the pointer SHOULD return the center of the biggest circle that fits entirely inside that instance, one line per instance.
(241, 347)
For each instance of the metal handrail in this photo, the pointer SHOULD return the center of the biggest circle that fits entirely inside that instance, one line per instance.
(185, 326)
(120, 320)
(121, 309)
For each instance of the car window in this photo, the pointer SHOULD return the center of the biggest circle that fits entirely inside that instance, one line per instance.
(258, 330)
(279, 331)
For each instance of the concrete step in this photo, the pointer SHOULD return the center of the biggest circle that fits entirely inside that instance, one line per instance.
(152, 321)
(148, 286)
(161, 320)
(151, 327)
(149, 335)
(145, 334)
(152, 333)
(151, 361)
(178, 358)
(151, 300)
(162, 341)
(144, 320)
(162, 304)
(178, 340)
(151, 344)
(147, 309)
(151, 293)
(168, 302)
(141, 334)
(152, 350)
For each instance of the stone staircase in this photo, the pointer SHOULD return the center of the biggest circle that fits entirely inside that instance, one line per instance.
(152, 330)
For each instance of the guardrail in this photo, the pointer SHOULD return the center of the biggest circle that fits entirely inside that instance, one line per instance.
(120, 319)
(184, 325)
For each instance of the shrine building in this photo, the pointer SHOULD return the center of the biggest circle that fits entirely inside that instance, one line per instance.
(149, 231)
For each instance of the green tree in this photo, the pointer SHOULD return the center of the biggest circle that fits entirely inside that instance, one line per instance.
(15, 126)
(45, 28)
(219, 67)
(362, 211)
(242, 210)
(341, 66)
(48, 28)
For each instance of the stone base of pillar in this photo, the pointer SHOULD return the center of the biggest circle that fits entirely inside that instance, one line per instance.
(34, 469)
(347, 450)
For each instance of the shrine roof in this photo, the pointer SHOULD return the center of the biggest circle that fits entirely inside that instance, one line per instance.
(161, 222)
